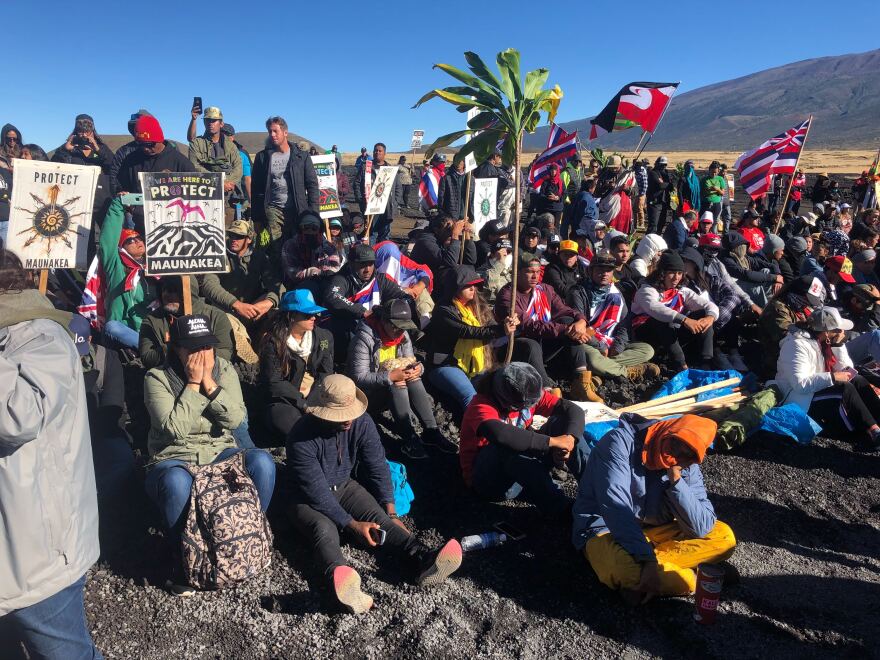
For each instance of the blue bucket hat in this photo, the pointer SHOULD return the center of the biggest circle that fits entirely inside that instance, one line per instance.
(302, 301)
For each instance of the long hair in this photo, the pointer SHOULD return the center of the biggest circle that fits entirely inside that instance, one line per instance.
(480, 308)
(13, 277)
(276, 337)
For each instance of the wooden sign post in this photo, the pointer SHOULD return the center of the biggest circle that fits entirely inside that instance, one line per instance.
(187, 295)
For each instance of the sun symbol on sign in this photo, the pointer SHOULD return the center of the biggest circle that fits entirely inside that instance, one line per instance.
(379, 186)
(485, 205)
(51, 221)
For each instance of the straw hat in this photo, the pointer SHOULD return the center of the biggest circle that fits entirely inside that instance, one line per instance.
(337, 399)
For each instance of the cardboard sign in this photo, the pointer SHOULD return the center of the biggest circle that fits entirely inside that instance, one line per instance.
(368, 179)
(417, 138)
(50, 213)
(381, 191)
(470, 163)
(485, 202)
(184, 222)
(328, 199)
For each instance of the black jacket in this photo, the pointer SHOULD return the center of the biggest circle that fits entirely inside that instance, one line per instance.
(659, 186)
(302, 182)
(580, 298)
(102, 158)
(427, 250)
(170, 160)
(451, 197)
(548, 205)
(278, 389)
(344, 284)
(562, 278)
(488, 171)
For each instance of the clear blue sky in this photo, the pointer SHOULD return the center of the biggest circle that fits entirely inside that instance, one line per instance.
(348, 72)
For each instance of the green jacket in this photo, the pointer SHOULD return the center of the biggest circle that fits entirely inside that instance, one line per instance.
(153, 345)
(190, 427)
(773, 324)
(249, 278)
(230, 162)
(132, 306)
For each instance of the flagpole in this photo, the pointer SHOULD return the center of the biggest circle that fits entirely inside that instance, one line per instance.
(791, 178)
(467, 204)
(637, 152)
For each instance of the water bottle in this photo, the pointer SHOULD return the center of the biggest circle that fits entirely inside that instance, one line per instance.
(482, 541)
(238, 211)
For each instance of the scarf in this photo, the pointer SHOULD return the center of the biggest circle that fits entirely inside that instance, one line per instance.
(556, 182)
(378, 328)
(469, 354)
(133, 269)
(696, 432)
(693, 182)
(828, 355)
(175, 374)
(302, 349)
(539, 306)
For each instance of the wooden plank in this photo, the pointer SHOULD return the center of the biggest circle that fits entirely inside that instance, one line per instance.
(684, 394)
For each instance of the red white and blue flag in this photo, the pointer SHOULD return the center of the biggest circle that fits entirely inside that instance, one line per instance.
(369, 296)
(539, 306)
(92, 304)
(670, 298)
(560, 147)
(778, 155)
(429, 188)
(400, 268)
(607, 316)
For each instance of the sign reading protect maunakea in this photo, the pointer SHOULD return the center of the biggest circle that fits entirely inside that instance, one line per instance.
(184, 222)
(50, 216)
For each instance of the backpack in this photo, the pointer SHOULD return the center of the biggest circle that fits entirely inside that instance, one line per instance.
(403, 494)
(226, 538)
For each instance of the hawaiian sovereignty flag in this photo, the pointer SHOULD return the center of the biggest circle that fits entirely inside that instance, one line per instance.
(560, 147)
(636, 104)
(429, 188)
(778, 155)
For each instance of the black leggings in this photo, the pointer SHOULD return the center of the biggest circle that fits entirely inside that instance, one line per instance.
(529, 351)
(403, 401)
(670, 342)
(282, 416)
(846, 407)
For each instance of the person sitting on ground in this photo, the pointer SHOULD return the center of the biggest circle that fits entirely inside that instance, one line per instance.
(156, 326)
(642, 517)
(609, 352)
(864, 262)
(498, 270)
(815, 371)
(774, 253)
(340, 480)
(676, 233)
(648, 251)
(416, 280)
(381, 361)
(672, 318)
(249, 287)
(544, 316)
(838, 278)
(827, 220)
(586, 209)
(502, 458)
(439, 248)
(308, 257)
(793, 304)
(194, 401)
(338, 239)
(294, 356)
(619, 248)
(565, 270)
(750, 227)
(756, 278)
(128, 292)
(492, 232)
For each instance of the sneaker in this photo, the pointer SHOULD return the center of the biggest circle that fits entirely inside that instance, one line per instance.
(177, 584)
(435, 438)
(440, 565)
(414, 449)
(347, 589)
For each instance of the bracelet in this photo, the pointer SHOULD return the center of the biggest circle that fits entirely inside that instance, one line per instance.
(190, 382)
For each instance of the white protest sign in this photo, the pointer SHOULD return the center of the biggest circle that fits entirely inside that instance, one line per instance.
(328, 197)
(184, 222)
(470, 163)
(368, 178)
(50, 213)
(416, 141)
(485, 202)
(473, 112)
(380, 193)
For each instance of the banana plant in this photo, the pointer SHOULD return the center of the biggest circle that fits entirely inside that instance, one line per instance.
(508, 106)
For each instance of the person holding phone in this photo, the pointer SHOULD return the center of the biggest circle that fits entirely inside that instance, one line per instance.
(213, 151)
(323, 449)
(84, 147)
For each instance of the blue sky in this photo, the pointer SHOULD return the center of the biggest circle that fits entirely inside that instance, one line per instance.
(348, 72)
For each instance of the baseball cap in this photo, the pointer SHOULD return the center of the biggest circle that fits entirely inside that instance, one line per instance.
(302, 301)
(554, 239)
(498, 227)
(309, 220)
(531, 231)
(397, 313)
(613, 161)
(192, 331)
(841, 265)
(810, 218)
(663, 160)
(526, 259)
(361, 254)
(81, 331)
(844, 206)
(600, 225)
(127, 235)
(213, 112)
(864, 256)
(568, 246)
(750, 213)
(239, 228)
(707, 217)
(712, 241)
(828, 318)
(604, 260)
(504, 243)
(336, 222)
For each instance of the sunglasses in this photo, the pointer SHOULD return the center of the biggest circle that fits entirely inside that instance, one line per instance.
(149, 145)
(211, 121)
(12, 138)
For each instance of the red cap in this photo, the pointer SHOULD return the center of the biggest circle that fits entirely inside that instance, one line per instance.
(147, 129)
(710, 240)
(842, 266)
(127, 235)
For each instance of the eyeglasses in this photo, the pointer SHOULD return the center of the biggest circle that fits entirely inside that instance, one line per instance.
(11, 138)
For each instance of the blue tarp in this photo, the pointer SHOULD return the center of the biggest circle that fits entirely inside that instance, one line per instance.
(691, 378)
(593, 431)
(790, 420)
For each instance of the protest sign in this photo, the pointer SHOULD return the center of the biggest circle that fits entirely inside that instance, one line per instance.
(381, 191)
(328, 198)
(184, 222)
(485, 202)
(470, 163)
(416, 140)
(368, 179)
(50, 214)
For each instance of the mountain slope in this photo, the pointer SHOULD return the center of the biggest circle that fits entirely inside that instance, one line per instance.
(843, 93)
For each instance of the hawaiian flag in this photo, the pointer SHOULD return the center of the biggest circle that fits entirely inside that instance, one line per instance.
(429, 188)
(607, 316)
(369, 295)
(560, 147)
(636, 104)
(399, 267)
(670, 298)
(539, 307)
(778, 155)
(92, 304)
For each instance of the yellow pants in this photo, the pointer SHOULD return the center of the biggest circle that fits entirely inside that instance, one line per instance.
(676, 556)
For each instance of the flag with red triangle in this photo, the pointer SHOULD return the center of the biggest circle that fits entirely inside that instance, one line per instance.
(636, 104)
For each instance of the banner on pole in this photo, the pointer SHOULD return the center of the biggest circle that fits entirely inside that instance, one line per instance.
(368, 179)
(184, 223)
(381, 190)
(416, 141)
(485, 202)
(50, 213)
(470, 163)
(328, 198)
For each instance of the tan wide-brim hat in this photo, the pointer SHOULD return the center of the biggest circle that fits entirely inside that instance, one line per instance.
(337, 399)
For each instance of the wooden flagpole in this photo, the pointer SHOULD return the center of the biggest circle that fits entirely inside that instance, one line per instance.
(327, 229)
(791, 178)
(467, 209)
(638, 150)
(516, 219)
(187, 295)
(44, 280)
(369, 225)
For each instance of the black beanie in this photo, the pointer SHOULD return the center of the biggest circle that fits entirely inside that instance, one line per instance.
(670, 260)
(691, 254)
(517, 385)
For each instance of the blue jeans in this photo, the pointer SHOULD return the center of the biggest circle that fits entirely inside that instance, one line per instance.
(53, 629)
(242, 435)
(380, 230)
(454, 382)
(114, 463)
(168, 483)
(121, 333)
(865, 346)
(501, 473)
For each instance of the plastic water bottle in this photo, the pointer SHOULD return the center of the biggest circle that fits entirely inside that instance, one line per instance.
(482, 541)
(238, 211)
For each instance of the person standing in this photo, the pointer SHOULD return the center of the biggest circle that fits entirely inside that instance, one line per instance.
(451, 197)
(214, 152)
(380, 230)
(404, 181)
(657, 196)
(712, 189)
(641, 172)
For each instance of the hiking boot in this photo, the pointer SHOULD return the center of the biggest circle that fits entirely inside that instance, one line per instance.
(177, 583)
(642, 371)
(439, 565)
(413, 448)
(435, 438)
(582, 388)
(347, 589)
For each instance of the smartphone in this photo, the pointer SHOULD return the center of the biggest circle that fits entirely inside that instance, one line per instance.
(197, 104)
(132, 199)
(512, 532)
(378, 535)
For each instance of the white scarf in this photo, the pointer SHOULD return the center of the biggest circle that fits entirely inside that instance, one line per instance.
(304, 348)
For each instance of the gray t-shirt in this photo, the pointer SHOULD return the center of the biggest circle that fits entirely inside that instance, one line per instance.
(278, 194)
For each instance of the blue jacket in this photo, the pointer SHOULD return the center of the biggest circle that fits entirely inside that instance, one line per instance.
(675, 234)
(318, 461)
(617, 494)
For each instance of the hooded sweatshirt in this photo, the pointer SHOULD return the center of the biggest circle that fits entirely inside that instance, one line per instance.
(648, 248)
(6, 156)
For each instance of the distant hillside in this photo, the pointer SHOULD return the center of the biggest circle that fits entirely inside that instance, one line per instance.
(843, 93)
(251, 141)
